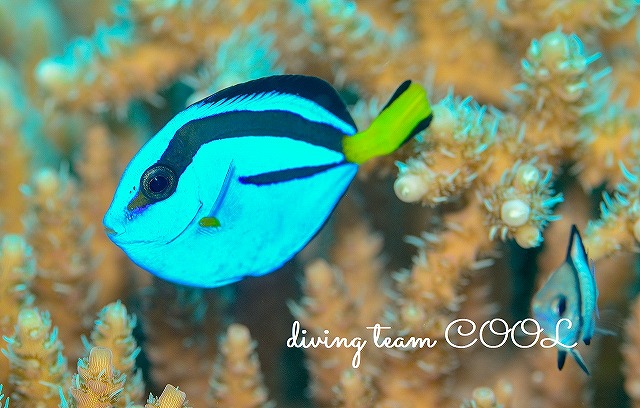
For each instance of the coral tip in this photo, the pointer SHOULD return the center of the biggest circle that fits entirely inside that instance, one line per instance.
(515, 213)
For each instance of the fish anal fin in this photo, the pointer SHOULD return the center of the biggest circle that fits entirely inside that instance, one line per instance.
(577, 253)
(562, 356)
(576, 355)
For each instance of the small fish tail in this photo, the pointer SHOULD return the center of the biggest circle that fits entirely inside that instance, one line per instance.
(407, 113)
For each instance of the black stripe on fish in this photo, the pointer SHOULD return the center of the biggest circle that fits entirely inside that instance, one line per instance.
(280, 176)
(576, 240)
(403, 87)
(311, 88)
(274, 123)
(419, 128)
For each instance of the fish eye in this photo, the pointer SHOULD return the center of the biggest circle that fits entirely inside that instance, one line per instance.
(158, 182)
(561, 305)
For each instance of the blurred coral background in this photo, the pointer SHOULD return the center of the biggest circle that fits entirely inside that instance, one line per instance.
(536, 128)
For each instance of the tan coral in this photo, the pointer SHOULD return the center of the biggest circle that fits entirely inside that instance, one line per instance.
(561, 92)
(15, 163)
(118, 63)
(356, 253)
(351, 39)
(171, 397)
(190, 316)
(99, 179)
(4, 404)
(534, 17)
(355, 390)
(237, 379)
(38, 367)
(615, 139)
(327, 310)
(485, 397)
(463, 47)
(97, 384)
(114, 330)
(62, 249)
(454, 151)
(618, 228)
(17, 270)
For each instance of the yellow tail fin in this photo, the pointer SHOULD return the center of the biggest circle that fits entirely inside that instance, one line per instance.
(407, 113)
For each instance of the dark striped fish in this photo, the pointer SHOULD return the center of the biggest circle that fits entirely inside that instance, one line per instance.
(570, 293)
(238, 183)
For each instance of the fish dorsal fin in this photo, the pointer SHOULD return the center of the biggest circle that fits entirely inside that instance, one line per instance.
(576, 253)
(308, 87)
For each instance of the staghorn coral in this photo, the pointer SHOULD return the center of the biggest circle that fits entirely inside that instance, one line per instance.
(64, 260)
(329, 310)
(15, 163)
(237, 380)
(6, 402)
(97, 171)
(171, 397)
(38, 367)
(355, 390)
(97, 384)
(113, 330)
(17, 271)
(185, 314)
(484, 397)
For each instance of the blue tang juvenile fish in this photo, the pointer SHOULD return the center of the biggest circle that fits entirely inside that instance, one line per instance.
(239, 182)
(571, 293)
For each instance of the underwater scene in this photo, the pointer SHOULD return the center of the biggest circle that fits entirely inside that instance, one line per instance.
(319, 203)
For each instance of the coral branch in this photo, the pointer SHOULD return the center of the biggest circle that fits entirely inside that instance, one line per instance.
(37, 365)
(97, 384)
(65, 263)
(237, 380)
(17, 270)
(98, 176)
(15, 163)
(355, 390)
(186, 356)
(171, 397)
(114, 330)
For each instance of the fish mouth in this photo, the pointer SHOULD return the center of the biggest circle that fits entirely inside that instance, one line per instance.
(111, 231)
(113, 234)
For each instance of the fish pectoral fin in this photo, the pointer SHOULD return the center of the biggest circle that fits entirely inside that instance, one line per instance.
(562, 356)
(605, 332)
(209, 222)
(576, 355)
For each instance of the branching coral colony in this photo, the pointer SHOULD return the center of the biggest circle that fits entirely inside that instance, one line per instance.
(539, 99)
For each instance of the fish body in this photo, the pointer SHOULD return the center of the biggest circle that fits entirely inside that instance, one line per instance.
(238, 183)
(570, 292)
